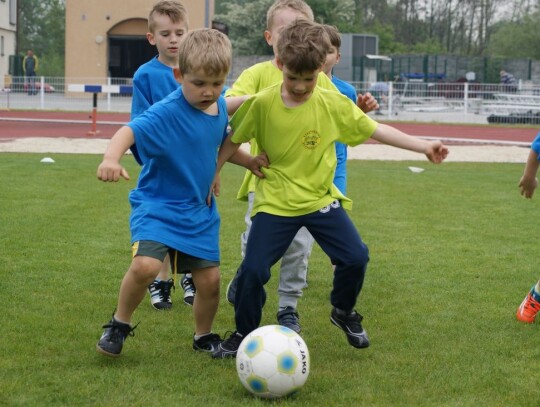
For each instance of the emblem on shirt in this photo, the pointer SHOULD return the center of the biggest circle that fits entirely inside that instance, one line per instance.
(311, 139)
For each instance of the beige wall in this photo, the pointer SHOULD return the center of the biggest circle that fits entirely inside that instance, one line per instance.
(8, 33)
(88, 22)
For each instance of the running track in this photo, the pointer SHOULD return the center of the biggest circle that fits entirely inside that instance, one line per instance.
(17, 124)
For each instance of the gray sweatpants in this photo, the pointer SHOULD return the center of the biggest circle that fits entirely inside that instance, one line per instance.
(294, 263)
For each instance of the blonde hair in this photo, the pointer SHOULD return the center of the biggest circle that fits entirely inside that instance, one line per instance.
(297, 5)
(303, 46)
(172, 9)
(207, 49)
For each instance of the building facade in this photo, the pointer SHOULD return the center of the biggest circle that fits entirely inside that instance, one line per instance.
(8, 36)
(106, 38)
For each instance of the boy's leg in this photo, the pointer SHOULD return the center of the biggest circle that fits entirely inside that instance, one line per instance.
(293, 271)
(530, 306)
(143, 269)
(188, 286)
(206, 301)
(160, 288)
(231, 287)
(334, 231)
(269, 238)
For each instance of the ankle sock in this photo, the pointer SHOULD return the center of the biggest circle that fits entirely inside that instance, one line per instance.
(197, 337)
(121, 322)
(535, 292)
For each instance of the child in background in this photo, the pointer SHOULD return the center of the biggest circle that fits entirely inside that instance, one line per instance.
(528, 183)
(153, 81)
(173, 208)
(294, 264)
(296, 124)
(332, 59)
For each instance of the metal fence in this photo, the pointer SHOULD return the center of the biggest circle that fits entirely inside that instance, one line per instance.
(470, 102)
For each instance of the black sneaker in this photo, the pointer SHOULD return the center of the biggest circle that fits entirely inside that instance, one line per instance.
(231, 289)
(229, 347)
(352, 326)
(160, 294)
(289, 318)
(207, 343)
(113, 337)
(189, 289)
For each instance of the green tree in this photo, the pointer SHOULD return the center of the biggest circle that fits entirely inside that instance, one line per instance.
(41, 27)
(516, 39)
(247, 22)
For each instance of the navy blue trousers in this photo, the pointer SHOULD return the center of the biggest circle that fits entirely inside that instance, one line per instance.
(269, 238)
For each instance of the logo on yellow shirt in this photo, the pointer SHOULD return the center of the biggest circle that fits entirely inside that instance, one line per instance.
(311, 139)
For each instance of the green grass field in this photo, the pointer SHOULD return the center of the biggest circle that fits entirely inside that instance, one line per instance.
(453, 253)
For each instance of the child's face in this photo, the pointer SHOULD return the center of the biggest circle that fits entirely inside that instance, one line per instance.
(282, 19)
(200, 89)
(332, 58)
(166, 37)
(297, 87)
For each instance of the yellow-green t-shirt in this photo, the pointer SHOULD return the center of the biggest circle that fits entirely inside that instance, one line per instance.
(299, 142)
(252, 80)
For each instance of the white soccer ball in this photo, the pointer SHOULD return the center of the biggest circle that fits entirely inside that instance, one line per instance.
(273, 361)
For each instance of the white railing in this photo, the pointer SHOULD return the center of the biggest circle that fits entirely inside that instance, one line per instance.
(409, 100)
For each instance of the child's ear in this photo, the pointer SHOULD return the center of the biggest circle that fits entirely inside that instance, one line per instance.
(150, 38)
(268, 37)
(279, 63)
(178, 75)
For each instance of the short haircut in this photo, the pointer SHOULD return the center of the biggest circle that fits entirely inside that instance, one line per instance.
(207, 49)
(303, 46)
(297, 5)
(333, 34)
(172, 9)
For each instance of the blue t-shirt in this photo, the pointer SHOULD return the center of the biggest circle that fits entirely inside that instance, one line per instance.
(179, 146)
(340, 178)
(152, 82)
(535, 146)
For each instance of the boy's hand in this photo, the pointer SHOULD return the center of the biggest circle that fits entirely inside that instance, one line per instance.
(436, 152)
(214, 189)
(111, 171)
(256, 163)
(367, 102)
(527, 186)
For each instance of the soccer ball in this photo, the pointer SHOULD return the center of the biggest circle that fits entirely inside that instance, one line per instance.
(272, 361)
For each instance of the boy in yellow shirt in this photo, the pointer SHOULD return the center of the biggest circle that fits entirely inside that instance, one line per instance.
(294, 264)
(296, 124)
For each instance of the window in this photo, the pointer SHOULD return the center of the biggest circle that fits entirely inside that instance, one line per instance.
(12, 11)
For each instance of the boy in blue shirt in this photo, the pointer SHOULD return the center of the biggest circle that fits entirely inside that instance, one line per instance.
(530, 306)
(296, 124)
(173, 208)
(152, 82)
(332, 59)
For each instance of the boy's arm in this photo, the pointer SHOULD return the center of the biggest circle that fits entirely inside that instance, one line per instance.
(226, 151)
(232, 153)
(528, 181)
(234, 102)
(435, 151)
(110, 168)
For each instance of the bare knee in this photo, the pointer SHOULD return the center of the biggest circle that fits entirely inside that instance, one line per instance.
(144, 269)
(207, 282)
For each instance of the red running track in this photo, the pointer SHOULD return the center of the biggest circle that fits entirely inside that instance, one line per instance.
(16, 124)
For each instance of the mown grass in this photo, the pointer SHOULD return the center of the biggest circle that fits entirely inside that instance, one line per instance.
(453, 252)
